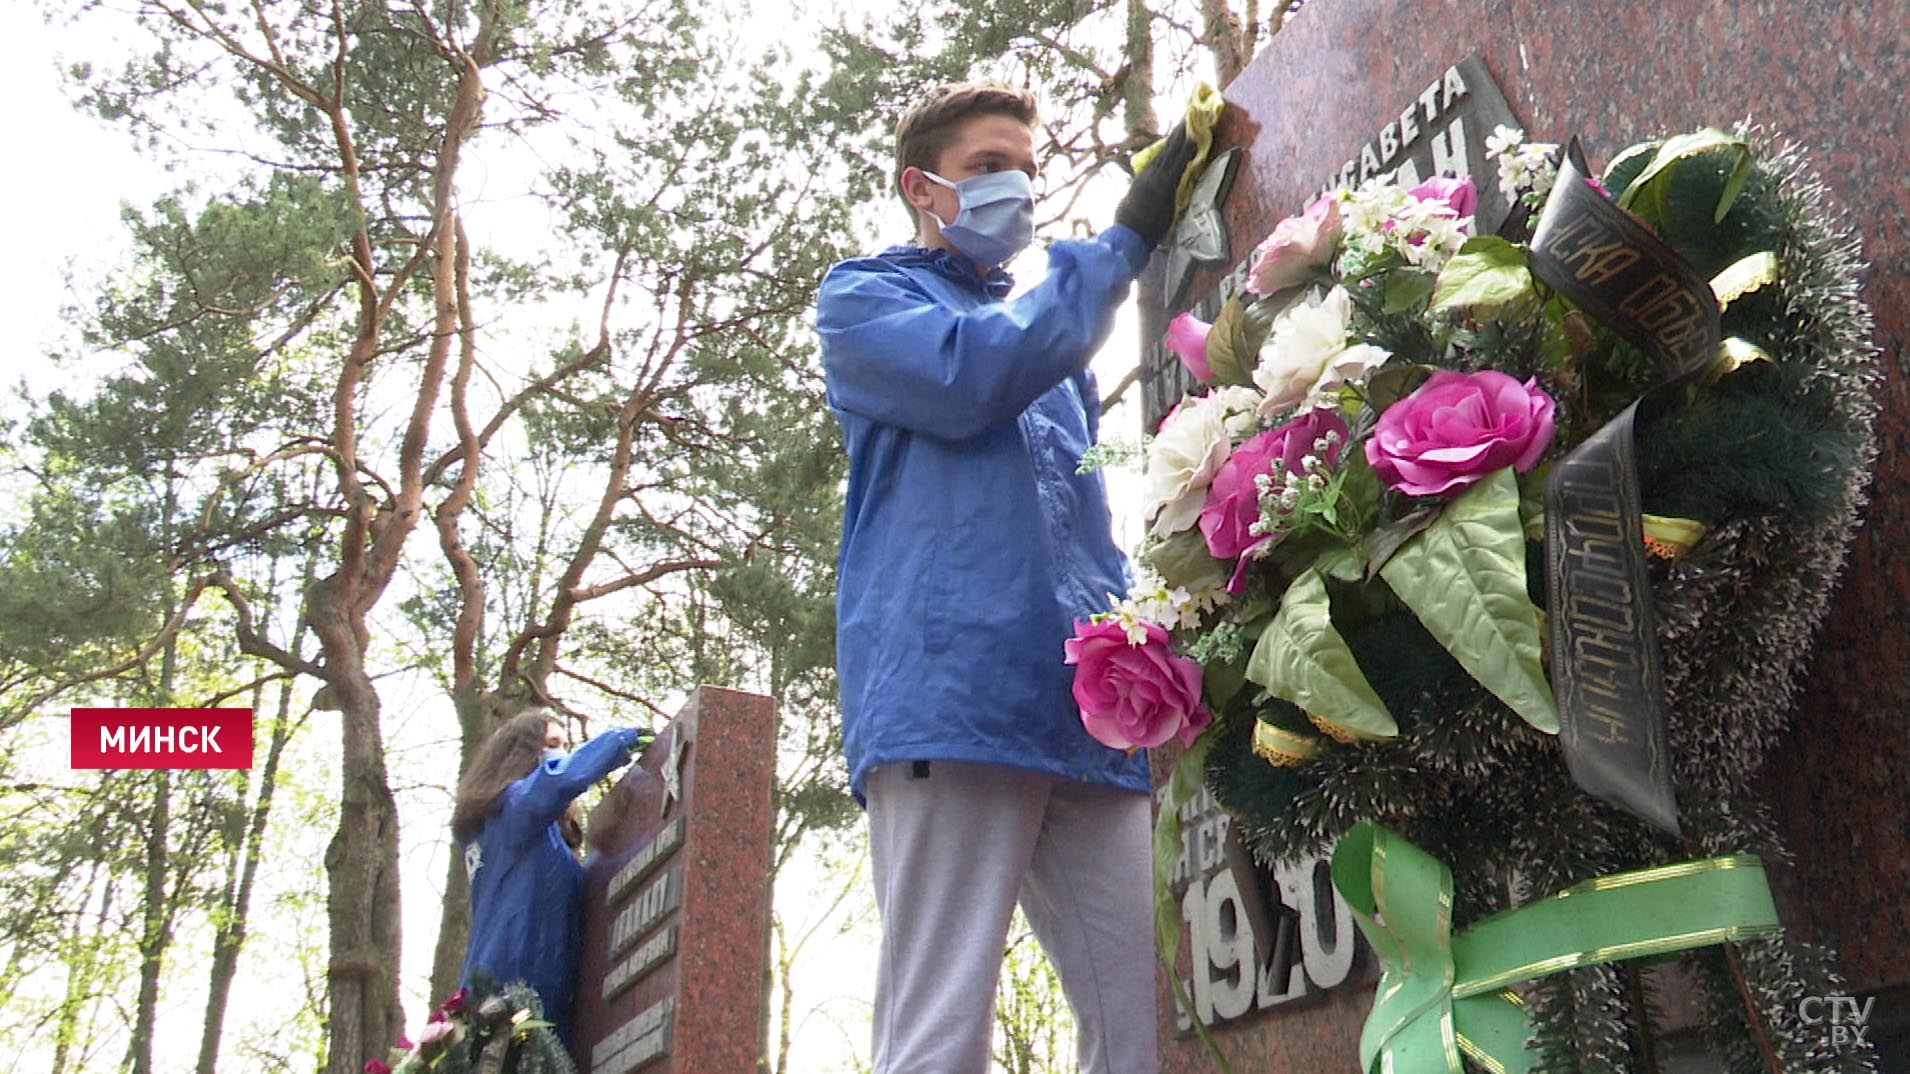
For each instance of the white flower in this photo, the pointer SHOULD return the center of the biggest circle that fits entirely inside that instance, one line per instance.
(1502, 139)
(1523, 166)
(1439, 239)
(1204, 596)
(1308, 354)
(1131, 623)
(1242, 407)
(1543, 168)
(1182, 459)
(1366, 211)
(1152, 600)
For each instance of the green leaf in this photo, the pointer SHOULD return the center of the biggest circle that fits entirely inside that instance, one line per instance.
(1342, 564)
(1464, 576)
(1233, 345)
(1734, 354)
(1183, 560)
(1624, 168)
(1302, 659)
(1385, 540)
(1390, 383)
(1183, 782)
(1487, 271)
(1647, 193)
(1532, 502)
(1220, 681)
(1404, 290)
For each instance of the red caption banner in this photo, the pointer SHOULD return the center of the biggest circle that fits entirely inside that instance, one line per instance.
(162, 738)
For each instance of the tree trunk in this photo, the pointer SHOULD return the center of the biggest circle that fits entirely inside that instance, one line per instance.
(454, 929)
(155, 927)
(82, 960)
(155, 913)
(362, 861)
(1138, 92)
(454, 915)
(361, 864)
(1229, 38)
(237, 905)
(786, 1003)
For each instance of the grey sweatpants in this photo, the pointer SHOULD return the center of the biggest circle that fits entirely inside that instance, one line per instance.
(952, 852)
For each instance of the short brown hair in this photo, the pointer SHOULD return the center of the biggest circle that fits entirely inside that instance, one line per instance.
(930, 123)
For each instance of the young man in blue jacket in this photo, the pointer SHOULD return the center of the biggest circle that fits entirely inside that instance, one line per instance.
(970, 546)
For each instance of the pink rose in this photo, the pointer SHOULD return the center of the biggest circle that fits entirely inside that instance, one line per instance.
(1458, 196)
(455, 1001)
(1457, 428)
(1297, 245)
(1187, 337)
(1233, 502)
(434, 1032)
(1134, 696)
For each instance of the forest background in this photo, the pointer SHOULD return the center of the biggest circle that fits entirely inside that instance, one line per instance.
(388, 368)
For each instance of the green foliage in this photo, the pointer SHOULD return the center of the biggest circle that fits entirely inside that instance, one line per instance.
(1035, 1023)
(1234, 342)
(1487, 271)
(1702, 195)
(1757, 444)
(1302, 659)
(77, 580)
(1464, 578)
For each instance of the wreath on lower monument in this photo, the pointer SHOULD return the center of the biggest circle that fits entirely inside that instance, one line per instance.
(486, 1028)
(1443, 495)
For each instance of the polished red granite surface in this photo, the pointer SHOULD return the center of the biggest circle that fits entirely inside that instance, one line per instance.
(722, 748)
(1830, 75)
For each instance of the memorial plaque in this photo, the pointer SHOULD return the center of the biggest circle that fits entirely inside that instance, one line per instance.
(1255, 938)
(676, 922)
(1441, 130)
(1336, 96)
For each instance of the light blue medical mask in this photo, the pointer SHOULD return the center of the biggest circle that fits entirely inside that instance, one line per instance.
(997, 218)
(554, 755)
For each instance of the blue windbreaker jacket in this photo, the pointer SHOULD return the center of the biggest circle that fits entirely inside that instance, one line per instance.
(527, 886)
(969, 543)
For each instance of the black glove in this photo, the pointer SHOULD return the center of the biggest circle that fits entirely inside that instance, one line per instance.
(1148, 205)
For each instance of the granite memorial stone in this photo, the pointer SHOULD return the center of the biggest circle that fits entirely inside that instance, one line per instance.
(1357, 88)
(676, 922)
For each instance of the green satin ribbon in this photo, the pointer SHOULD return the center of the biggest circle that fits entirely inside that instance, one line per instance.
(1440, 994)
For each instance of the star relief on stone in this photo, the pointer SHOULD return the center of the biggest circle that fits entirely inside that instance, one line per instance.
(673, 770)
(1200, 236)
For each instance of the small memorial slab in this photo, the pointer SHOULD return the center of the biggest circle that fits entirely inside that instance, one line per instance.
(676, 919)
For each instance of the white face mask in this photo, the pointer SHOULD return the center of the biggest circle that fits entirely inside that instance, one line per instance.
(997, 217)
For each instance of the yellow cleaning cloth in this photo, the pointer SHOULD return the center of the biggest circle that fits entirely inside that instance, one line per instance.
(1203, 113)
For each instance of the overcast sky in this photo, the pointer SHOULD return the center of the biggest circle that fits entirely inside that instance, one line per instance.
(62, 190)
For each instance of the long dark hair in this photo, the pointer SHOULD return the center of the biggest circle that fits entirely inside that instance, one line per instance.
(510, 754)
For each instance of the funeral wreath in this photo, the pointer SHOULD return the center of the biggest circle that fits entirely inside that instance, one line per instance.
(1511, 545)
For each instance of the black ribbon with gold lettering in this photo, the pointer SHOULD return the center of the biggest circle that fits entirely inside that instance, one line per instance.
(1606, 674)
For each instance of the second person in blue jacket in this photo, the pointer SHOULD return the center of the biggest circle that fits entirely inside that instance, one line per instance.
(518, 822)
